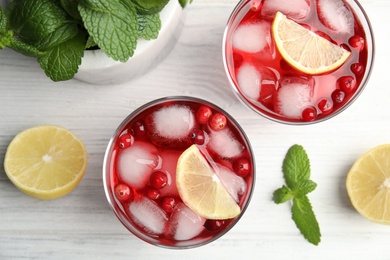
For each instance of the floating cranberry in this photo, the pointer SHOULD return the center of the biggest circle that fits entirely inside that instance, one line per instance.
(357, 68)
(214, 225)
(152, 193)
(139, 129)
(217, 121)
(241, 167)
(357, 42)
(122, 192)
(125, 140)
(198, 137)
(347, 84)
(338, 96)
(309, 114)
(203, 114)
(158, 179)
(168, 204)
(325, 105)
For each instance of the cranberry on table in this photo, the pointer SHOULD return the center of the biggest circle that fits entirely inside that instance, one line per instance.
(158, 179)
(242, 167)
(217, 121)
(309, 114)
(122, 192)
(203, 114)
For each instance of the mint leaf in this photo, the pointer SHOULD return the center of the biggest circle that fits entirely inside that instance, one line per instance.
(33, 20)
(305, 187)
(183, 3)
(304, 218)
(63, 33)
(61, 62)
(282, 195)
(296, 166)
(113, 26)
(149, 26)
(90, 43)
(296, 170)
(71, 7)
(3, 21)
(150, 6)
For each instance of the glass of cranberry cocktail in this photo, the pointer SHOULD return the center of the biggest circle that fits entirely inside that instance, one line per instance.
(179, 172)
(300, 61)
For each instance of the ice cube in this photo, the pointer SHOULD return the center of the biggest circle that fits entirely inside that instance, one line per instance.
(224, 143)
(169, 160)
(184, 223)
(148, 215)
(249, 80)
(174, 122)
(234, 184)
(171, 126)
(293, 9)
(336, 16)
(136, 163)
(256, 83)
(252, 37)
(294, 95)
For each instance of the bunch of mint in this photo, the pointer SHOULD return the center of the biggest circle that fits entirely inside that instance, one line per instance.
(57, 32)
(296, 171)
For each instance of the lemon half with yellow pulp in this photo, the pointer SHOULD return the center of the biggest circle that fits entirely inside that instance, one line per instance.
(46, 162)
(368, 184)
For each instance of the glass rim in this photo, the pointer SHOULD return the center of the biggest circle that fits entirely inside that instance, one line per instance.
(355, 5)
(107, 164)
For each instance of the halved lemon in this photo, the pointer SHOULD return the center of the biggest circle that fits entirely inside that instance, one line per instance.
(368, 184)
(303, 49)
(200, 188)
(45, 162)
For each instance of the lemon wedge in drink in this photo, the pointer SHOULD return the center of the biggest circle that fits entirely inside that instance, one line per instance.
(303, 49)
(368, 184)
(45, 162)
(200, 189)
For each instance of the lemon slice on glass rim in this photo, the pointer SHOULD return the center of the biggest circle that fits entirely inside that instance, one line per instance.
(303, 49)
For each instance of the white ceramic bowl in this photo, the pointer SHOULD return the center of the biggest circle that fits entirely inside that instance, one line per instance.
(98, 68)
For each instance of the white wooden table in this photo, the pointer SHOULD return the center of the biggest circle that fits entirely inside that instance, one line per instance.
(82, 225)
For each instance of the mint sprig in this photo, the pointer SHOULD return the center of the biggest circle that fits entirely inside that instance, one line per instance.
(296, 172)
(57, 32)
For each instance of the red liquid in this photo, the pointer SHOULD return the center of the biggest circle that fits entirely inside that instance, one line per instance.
(161, 158)
(323, 97)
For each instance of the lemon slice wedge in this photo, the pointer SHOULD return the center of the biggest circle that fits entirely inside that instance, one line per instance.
(200, 188)
(303, 49)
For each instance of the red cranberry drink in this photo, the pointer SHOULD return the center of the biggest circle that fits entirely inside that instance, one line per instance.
(298, 61)
(179, 172)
